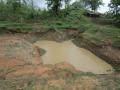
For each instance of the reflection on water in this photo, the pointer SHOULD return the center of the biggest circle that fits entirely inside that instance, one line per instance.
(80, 58)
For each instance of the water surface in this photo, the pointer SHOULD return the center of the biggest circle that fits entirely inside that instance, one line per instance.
(80, 58)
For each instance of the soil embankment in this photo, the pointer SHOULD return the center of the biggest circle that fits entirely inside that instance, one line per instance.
(15, 50)
(106, 52)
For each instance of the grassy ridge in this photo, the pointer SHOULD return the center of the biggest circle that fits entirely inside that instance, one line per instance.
(104, 35)
(13, 26)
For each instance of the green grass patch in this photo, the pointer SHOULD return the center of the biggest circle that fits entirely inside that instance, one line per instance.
(74, 20)
(25, 83)
(13, 26)
(102, 35)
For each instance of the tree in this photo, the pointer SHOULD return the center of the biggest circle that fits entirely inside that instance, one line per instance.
(2, 10)
(67, 3)
(79, 4)
(32, 9)
(92, 4)
(14, 6)
(115, 10)
(54, 5)
(67, 7)
(17, 10)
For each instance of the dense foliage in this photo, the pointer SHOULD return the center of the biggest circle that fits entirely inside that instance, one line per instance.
(92, 4)
(17, 10)
(115, 11)
(55, 5)
(60, 13)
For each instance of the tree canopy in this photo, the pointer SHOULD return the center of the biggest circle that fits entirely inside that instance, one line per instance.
(115, 10)
(92, 4)
(55, 5)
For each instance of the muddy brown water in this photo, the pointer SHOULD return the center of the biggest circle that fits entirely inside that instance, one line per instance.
(80, 58)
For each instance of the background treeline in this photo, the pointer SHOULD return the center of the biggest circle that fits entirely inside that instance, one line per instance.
(17, 10)
(21, 10)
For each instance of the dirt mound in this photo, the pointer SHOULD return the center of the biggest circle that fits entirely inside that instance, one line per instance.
(79, 83)
(62, 69)
(57, 84)
(10, 62)
(85, 83)
(15, 51)
(28, 70)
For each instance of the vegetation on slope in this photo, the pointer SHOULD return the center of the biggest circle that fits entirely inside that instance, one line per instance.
(104, 35)
(20, 17)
